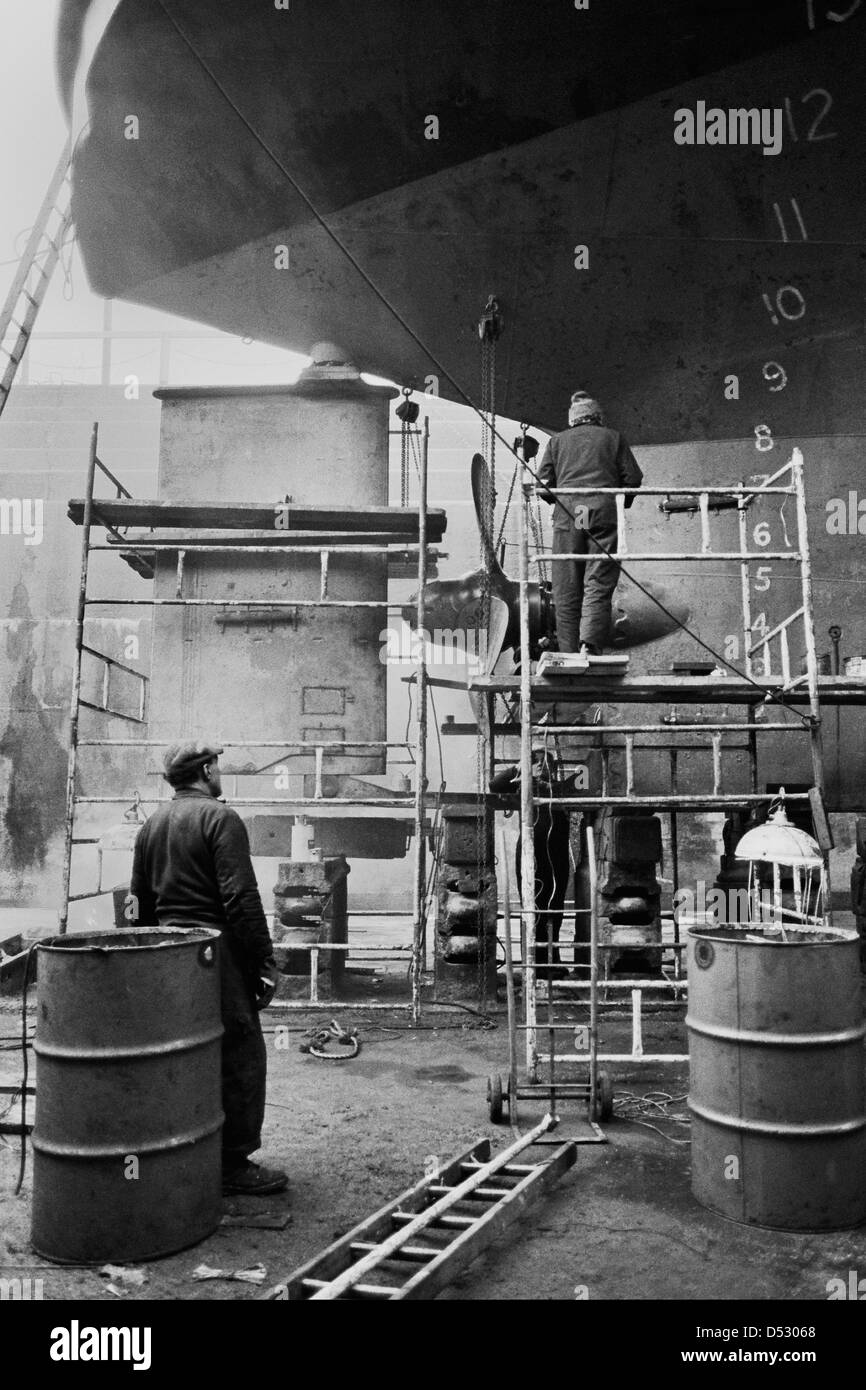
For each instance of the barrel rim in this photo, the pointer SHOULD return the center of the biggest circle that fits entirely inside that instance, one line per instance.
(735, 934)
(129, 940)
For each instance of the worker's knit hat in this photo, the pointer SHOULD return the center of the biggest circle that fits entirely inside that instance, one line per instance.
(184, 760)
(584, 410)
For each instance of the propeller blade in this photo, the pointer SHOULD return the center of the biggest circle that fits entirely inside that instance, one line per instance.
(482, 493)
(500, 617)
(449, 604)
(636, 620)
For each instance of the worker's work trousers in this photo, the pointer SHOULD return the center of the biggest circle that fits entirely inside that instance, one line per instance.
(244, 1064)
(583, 589)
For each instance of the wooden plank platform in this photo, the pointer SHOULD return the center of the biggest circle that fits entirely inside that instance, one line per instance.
(560, 666)
(192, 516)
(148, 541)
(647, 689)
(140, 550)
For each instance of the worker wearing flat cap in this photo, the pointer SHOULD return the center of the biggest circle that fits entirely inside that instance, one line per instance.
(587, 454)
(192, 867)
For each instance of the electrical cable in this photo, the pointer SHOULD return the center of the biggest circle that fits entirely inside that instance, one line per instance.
(628, 1105)
(440, 366)
(408, 726)
(438, 738)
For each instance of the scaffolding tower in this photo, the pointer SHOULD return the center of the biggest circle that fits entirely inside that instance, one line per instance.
(401, 534)
(621, 745)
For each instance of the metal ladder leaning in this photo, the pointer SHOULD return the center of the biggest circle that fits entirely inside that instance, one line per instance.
(416, 1245)
(33, 276)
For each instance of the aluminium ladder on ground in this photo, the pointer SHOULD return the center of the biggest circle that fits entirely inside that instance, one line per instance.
(416, 1245)
(406, 529)
(747, 689)
(33, 276)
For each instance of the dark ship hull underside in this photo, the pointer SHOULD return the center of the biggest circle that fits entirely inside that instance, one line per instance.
(555, 131)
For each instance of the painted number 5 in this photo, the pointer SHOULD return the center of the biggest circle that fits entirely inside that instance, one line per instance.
(762, 578)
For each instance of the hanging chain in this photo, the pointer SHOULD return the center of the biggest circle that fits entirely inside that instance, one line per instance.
(533, 513)
(489, 328)
(405, 442)
(521, 445)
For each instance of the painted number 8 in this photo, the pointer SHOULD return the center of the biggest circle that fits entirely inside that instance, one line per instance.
(763, 438)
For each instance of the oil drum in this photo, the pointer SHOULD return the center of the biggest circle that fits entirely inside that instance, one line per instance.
(127, 1137)
(776, 1076)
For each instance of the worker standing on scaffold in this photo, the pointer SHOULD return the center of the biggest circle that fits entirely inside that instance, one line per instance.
(587, 454)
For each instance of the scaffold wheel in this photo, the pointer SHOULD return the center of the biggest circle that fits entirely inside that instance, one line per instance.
(494, 1099)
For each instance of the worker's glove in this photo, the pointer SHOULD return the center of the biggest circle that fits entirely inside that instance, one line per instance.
(266, 984)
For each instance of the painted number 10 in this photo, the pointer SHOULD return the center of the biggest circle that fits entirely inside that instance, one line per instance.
(788, 303)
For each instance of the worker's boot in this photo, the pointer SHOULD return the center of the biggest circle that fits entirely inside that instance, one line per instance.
(254, 1180)
(590, 649)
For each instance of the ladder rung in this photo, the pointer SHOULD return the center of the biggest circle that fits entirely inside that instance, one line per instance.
(404, 1217)
(366, 1290)
(478, 1194)
(513, 1169)
(406, 1252)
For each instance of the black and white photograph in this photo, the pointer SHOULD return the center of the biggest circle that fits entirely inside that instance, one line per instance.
(433, 675)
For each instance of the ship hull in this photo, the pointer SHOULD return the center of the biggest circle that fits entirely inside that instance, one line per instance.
(310, 136)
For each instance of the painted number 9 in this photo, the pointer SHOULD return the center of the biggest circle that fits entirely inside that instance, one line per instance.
(774, 372)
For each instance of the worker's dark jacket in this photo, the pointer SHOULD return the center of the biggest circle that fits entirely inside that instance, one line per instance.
(587, 456)
(192, 867)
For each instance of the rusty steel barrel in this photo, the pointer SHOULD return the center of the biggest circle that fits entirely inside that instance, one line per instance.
(127, 1138)
(777, 1076)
